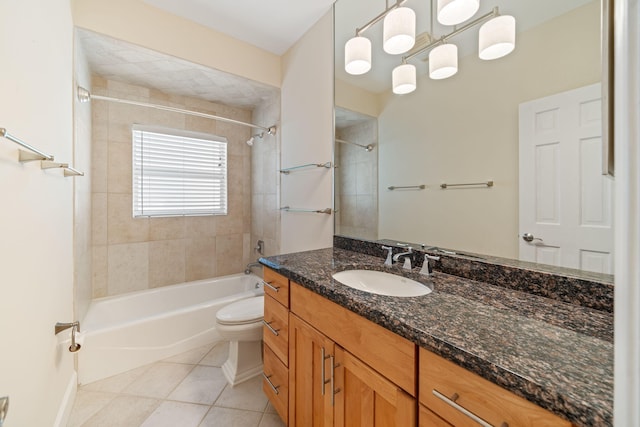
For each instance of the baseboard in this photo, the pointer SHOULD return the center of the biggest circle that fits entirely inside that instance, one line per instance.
(64, 412)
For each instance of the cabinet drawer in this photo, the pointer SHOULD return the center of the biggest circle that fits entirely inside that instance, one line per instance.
(275, 330)
(493, 404)
(275, 383)
(277, 286)
(389, 354)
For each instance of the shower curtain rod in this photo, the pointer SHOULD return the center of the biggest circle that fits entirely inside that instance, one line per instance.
(85, 96)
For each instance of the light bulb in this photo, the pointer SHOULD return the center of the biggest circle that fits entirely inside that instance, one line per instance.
(497, 37)
(399, 31)
(357, 55)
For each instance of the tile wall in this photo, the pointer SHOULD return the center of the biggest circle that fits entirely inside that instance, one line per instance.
(356, 191)
(135, 254)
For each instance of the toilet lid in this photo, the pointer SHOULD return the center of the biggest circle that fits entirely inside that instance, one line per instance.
(244, 311)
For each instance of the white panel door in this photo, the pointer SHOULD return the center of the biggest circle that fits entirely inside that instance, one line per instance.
(565, 202)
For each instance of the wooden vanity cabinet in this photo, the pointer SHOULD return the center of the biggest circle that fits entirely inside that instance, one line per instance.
(330, 386)
(455, 395)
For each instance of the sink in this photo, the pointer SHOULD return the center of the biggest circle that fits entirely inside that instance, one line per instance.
(381, 283)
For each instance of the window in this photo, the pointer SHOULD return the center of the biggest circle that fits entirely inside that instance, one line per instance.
(178, 173)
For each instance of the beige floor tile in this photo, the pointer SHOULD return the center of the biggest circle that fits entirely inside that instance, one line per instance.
(123, 411)
(228, 417)
(270, 409)
(247, 395)
(271, 420)
(116, 383)
(174, 414)
(87, 404)
(159, 380)
(217, 356)
(203, 385)
(191, 357)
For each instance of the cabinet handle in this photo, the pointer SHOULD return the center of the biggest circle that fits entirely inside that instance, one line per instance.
(270, 286)
(268, 325)
(273, 387)
(323, 381)
(452, 402)
(333, 378)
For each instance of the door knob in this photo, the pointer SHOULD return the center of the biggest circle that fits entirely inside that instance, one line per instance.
(528, 237)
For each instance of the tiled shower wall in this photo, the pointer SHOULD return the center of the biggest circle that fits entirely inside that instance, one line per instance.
(356, 186)
(135, 254)
(265, 182)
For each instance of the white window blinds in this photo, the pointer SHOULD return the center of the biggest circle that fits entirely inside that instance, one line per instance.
(178, 173)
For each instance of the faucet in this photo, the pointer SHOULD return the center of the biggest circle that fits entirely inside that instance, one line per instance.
(407, 260)
(388, 261)
(426, 270)
(247, 270)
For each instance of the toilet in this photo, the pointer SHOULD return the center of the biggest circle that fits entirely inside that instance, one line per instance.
(240, 323)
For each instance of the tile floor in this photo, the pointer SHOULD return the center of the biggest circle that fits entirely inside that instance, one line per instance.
(188, 390)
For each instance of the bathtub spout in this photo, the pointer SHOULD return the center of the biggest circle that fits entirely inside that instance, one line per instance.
(250, 265)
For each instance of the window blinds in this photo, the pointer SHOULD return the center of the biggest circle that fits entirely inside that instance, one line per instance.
(178, 173)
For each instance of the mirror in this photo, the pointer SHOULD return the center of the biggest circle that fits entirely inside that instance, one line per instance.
(466, 130)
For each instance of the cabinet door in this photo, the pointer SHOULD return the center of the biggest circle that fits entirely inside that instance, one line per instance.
(310, 353)
(366, 398)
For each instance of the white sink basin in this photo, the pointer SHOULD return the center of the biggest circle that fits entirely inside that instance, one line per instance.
(381, 283)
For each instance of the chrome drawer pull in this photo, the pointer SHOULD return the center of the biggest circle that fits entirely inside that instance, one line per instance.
(322, 370)
(270, 286)
(334, 391)
(273, 387)
(452, 402)
(268, 325)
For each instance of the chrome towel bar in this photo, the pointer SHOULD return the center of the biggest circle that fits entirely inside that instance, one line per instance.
(407, 187)
(41, 155)
(287, 171)
(483, 184)
(321, 211)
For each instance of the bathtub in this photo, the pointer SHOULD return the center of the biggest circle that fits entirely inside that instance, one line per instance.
(127, 331)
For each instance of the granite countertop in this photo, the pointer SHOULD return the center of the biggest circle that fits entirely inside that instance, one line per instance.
(555, 354)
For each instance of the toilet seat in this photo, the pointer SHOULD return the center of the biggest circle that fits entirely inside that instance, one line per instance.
(249, 310)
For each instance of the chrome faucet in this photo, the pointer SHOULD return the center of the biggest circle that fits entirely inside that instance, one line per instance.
(426, 270)
(407, 260)
(247, 270)
(388, 261)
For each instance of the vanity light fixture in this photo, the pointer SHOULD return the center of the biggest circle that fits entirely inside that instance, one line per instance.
(399, 33)
(454, 12)
(496, 39)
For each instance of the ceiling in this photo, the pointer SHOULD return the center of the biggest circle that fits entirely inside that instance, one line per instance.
(273, 25)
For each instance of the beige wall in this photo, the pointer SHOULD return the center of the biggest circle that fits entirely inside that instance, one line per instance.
(357, 99)
(134, 254)
(36, 249)
(137, 22)
(465, 129)
(356, 183)
(307, 137)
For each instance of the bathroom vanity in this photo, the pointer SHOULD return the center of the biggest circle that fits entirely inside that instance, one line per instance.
(469, 352)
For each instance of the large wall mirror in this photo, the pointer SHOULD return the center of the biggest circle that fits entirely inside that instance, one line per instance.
(525, 130)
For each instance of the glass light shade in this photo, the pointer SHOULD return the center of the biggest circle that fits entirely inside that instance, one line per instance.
(453, 12)
(497, 37)
(443, 61)
(357, 55)
(399, 31)
(404, 79)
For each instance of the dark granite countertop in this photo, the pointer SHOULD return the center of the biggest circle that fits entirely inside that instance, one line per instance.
(553, 353)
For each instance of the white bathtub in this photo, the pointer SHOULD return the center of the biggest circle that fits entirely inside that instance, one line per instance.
(127, 331)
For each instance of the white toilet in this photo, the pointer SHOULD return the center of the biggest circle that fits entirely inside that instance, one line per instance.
(241, 324)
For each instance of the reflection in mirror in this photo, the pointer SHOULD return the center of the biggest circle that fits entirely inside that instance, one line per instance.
(468, 129)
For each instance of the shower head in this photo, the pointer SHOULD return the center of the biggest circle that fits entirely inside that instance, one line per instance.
(253, 137)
